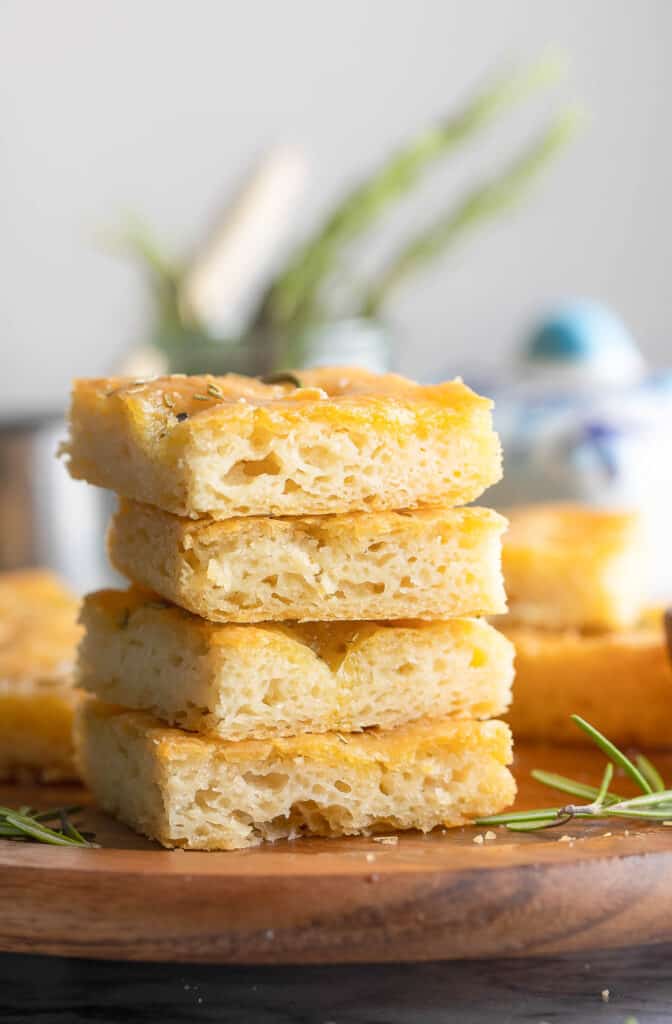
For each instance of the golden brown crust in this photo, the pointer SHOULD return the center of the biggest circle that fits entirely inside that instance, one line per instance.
(38, 626)
(225, 446)
(561, 528)
(327, 529)
(332, 392)
(36, 742)
(393, 747)
(114, 608)
(620, 681)
(38, 638)
(571, 566)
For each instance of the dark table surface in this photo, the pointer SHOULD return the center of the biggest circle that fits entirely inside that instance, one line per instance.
(639, 982)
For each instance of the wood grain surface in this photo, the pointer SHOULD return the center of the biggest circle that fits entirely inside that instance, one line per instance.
(433, 897)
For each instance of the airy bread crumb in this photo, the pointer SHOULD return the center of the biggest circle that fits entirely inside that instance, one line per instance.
(195, 792)
(247, 681)
(427, 564)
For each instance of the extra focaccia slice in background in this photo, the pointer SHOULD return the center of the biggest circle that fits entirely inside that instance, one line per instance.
(38, 639)
(574, 567)
(620, 681)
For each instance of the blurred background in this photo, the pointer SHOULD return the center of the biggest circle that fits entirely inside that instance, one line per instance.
(139, 139)
(160, 108)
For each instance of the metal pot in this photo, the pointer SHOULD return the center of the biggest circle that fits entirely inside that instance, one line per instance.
(46, 518)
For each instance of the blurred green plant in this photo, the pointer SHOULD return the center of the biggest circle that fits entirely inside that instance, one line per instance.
(481, 204)
(297, 299)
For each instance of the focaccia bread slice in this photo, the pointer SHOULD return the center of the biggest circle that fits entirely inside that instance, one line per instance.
(572, 566)
(207, 794)
(246, 681)
(620, 681)
(427, 564)
(38, 639)
(346, 440)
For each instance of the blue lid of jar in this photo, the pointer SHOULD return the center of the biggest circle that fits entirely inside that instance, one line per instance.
(587, 336)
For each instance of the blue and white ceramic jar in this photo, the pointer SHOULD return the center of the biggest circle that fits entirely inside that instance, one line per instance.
(581, 419)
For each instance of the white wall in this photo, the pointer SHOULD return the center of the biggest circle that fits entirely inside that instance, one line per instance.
(159, 105)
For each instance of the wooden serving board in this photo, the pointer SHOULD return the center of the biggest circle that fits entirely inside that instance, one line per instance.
(441, 896)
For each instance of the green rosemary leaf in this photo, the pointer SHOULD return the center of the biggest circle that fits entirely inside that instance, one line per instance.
(71, 830)
(662, 798)
(4, 811)
(648, 814)
(32, 828)
(24, 825)
(536, 825)
(650, 773)
(571, 786)
(604, 786)
(515, 816)
(9, 832)
(50, 815)
(55, 812)
(613, 753)
(281, 378)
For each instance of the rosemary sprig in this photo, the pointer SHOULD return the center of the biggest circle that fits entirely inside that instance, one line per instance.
(604, 785)
(650, 773)
(485, 201)
(571, 786)
(655, 803)
(613, 753)
(294, 295)
(27, 825)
